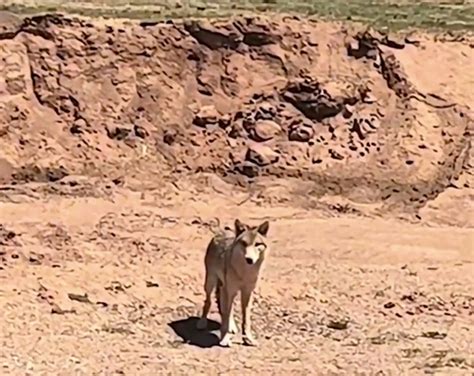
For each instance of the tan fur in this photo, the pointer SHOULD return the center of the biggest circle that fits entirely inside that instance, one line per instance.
(233, 264)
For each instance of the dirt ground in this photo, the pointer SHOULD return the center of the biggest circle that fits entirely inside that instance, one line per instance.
(124, 145)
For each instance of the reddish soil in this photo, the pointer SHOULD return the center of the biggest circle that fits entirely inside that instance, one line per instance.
(123, 142)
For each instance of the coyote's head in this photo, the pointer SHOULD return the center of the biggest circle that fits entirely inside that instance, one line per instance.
(250, 241)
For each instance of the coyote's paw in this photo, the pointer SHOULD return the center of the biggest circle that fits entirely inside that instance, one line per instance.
(233, 328)
(226, 341)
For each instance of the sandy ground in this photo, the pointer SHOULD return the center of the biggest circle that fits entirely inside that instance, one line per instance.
(123, 144)
(113, 286)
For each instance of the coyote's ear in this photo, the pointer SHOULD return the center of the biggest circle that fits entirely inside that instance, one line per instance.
(263, 228)
(239, 227)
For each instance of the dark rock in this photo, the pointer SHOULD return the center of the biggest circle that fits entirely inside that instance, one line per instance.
(117, 133)
(207, 115)
(247, 169)
(301, 133)
(213, 37)
(261, 155)
(140, 131)
(312, 100)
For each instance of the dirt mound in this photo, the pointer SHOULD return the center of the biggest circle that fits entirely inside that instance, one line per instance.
(247, 98)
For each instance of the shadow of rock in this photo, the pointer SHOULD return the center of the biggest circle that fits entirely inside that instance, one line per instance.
(186, 329)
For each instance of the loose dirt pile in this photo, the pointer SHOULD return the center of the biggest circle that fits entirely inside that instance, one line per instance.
(245, 98)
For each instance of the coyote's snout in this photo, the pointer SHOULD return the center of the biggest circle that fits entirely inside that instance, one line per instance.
(233, 264)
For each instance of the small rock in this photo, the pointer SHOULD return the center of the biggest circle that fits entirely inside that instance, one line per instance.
(117, 133)
(236, 130)
(79, 298)
(119, 181)
(336, 155)
(389, 305)
(261, 38)
(247, 169)
(140, 131)
(213, 37)
(373, 123)
(352, 47)
(75, 129)
(312, 99)
(116, 286)
(357, 128)
(57, 310)
(312, 41)
(434, 334)
(267, 109)
(265, 130)
(206, 115)
(78, 126)
(411, 40)
(56, 174)
(393, 41)
(169, 137)
(225, 121)
(285, 114)
(301, 133)
(4, 130)
(151, 284)
(131, 142)
(373, 54)
(347, 111)
(369, 98)
(6, 236)
(35, 259)
(261, 155)
(338, 324)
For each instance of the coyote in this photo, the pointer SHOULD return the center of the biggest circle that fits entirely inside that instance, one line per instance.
(233, 264)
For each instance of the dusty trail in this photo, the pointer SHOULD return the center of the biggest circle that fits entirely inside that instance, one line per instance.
(404, 290)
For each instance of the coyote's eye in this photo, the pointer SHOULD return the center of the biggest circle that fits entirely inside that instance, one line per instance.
(244, 243)
(260, 246)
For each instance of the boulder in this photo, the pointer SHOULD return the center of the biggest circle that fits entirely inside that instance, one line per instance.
(261, 155)
(301, 133)
(206, 115)
(265, 130)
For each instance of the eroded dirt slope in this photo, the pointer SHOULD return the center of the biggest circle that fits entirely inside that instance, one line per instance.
(340, 109)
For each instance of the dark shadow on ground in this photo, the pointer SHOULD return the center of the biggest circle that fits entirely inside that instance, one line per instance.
(186, 329)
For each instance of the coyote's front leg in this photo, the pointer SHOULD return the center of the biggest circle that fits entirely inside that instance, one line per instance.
(228, 297)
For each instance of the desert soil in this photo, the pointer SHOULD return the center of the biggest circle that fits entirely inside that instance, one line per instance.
(124, 146)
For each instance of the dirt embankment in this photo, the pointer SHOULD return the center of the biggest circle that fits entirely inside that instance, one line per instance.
(251, 99)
